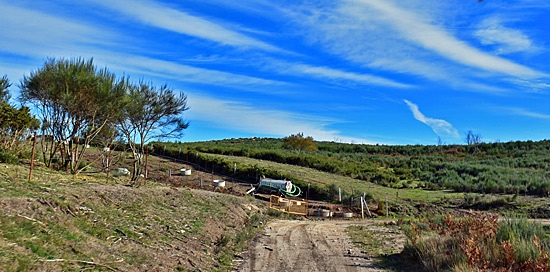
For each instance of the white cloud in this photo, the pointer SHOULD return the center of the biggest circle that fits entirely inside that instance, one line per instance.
(184, 23)
(30, 32)
(325, 72)
(382, 35)
(419, 31)
(331, 73)
(181, 72)
(506, 40)
(441, 127)
(38, 35)
(523, 112)
(239, 116)
(533, 85)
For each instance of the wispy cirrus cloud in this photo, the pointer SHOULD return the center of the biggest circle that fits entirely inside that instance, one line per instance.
(506, 40)
(441, 127)
(38, 35)
(181, 72)
(419, 31)
(240, 116)
(182, 22)
(33, 32)
(383, 35)
(522, 112)
(322, 72)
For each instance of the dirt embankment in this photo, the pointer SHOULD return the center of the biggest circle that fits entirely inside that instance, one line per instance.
(308, 246)
(66, 226)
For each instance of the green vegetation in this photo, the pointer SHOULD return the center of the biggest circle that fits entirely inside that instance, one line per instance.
(510, 168)
(15, 125)
(80, 105)
(299, 142)
(74, 100)
(149, 113)
(478, 242)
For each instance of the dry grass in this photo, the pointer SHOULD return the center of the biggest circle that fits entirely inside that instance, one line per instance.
(478, 242)
(86, 224)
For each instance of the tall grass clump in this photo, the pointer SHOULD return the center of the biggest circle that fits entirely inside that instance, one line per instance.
(521, 234)
(478, 242)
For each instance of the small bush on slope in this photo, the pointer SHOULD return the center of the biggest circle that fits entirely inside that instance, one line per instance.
(478, 241)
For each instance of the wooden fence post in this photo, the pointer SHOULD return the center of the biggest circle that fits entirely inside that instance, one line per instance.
(387, 214)
(146, 160)
(108, 163)
(32, 157)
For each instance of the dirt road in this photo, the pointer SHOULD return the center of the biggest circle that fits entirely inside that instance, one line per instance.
(306, 246)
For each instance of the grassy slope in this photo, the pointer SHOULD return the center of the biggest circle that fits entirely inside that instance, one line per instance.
(514, 167)
(153, 228)
(403, 200)
(346, 183)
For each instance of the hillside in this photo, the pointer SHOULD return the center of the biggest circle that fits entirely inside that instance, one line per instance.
(505, 177)
(71, 226)
(514, 167)
(60, 222)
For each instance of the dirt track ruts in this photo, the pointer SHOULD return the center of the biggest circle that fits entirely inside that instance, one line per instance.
(305, 246)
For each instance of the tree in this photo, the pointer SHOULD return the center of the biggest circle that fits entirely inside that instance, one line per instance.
(150, 113)
(472, 138)
(14, 123)
(75, 100)
(4, 92)
(440, 141)
(299, 142)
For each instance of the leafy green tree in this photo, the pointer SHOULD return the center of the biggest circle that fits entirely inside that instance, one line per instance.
(14, 123)
(75, 100)
(299, 142)
(4, 92)
(150, 113)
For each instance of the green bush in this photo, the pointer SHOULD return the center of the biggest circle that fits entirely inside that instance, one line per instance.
(521, 233)
(478, 242)
(8, 157)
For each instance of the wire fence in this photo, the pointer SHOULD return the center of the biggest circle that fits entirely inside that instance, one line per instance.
(103, 164)
(161, 168)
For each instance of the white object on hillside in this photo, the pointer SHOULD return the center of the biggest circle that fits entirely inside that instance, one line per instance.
(123, 171)
(185, 172)
(219, 183)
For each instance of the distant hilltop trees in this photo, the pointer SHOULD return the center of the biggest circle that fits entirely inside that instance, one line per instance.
(299, 142)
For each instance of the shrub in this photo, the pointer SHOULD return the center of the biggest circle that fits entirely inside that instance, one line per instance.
(8, 157)
(478, 242)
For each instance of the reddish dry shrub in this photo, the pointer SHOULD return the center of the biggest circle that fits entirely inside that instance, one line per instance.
(475, 235)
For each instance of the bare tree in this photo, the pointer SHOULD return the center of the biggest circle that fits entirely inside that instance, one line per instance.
(472, 138)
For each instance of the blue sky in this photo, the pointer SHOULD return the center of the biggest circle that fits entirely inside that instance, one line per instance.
(362, 71)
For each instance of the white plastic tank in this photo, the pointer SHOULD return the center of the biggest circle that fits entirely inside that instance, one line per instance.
(219, 183)
(277, 184)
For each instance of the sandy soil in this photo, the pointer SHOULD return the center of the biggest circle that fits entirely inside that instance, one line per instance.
(306, 246)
